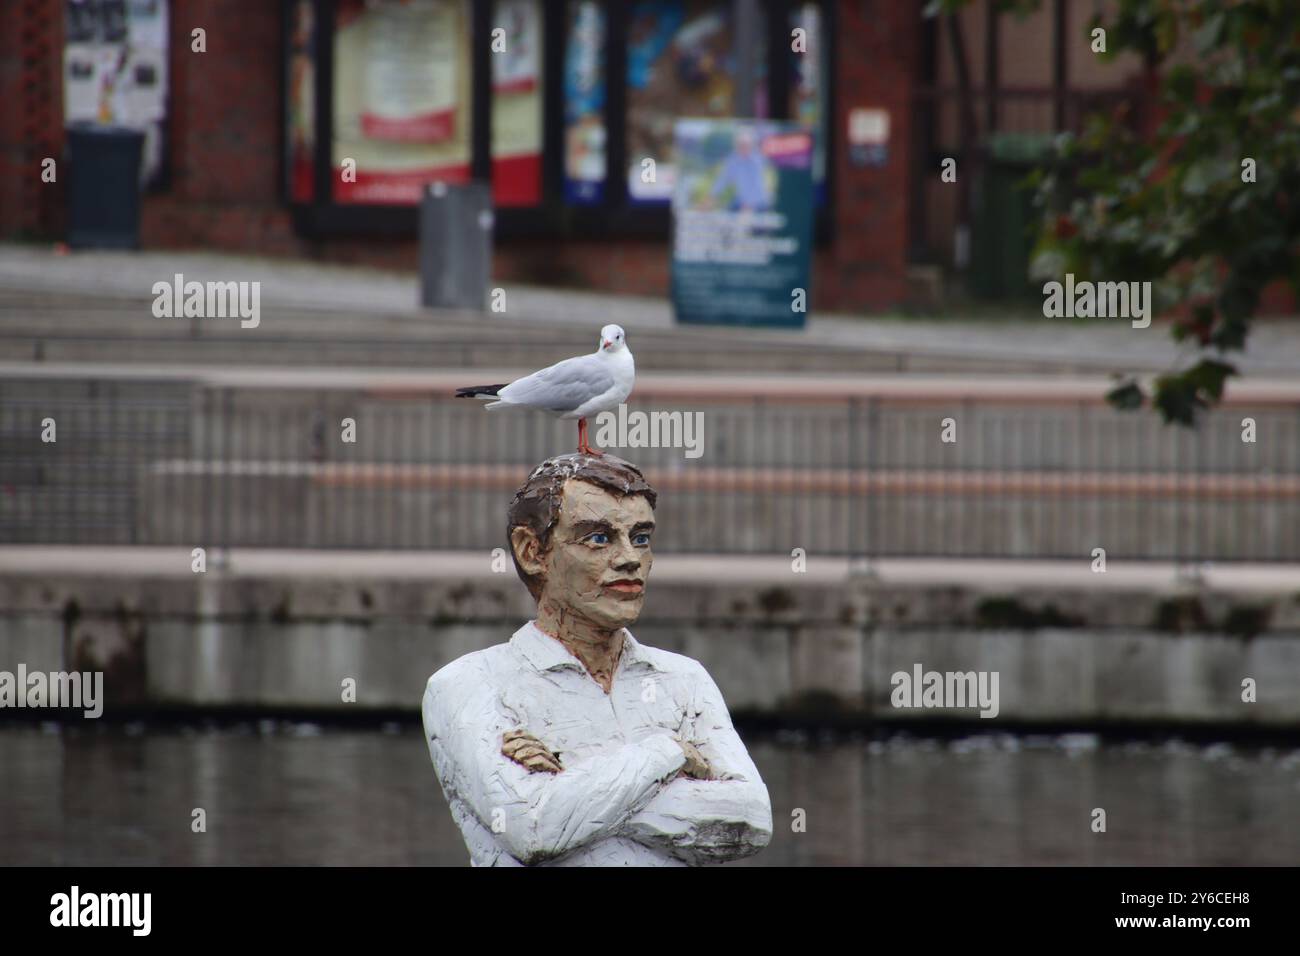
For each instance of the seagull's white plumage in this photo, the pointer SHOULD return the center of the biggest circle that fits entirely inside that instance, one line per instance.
(575, 388)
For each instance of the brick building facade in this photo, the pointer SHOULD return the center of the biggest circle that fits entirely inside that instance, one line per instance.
(225, 146)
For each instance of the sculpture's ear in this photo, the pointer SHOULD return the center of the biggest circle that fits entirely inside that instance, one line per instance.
(528, 551)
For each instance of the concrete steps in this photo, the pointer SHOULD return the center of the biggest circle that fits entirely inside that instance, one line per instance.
(75, 327)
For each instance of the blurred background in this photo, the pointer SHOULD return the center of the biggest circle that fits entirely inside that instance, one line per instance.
(233, 522)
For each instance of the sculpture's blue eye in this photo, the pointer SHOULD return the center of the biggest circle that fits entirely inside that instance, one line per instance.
(641, 539)
(598, 537)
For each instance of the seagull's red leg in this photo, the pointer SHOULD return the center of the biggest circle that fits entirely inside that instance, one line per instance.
(583, 447)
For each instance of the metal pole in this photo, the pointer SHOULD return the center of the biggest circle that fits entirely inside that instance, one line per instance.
(745, 16)
(1060, 64)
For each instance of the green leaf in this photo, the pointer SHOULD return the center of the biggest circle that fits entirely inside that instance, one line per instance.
(1237, 301)
(1241, 200)
(1126, 396)
(1180, 83)
(1207, 36)
(1207, 377)
(1185, 125)
(1203, 174)
(1230, 334)
(1176, 400)
(1269, 101)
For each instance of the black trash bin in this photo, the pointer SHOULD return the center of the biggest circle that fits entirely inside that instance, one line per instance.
(104, 186)
(455, 245)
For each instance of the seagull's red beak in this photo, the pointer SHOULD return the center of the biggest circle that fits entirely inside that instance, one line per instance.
(607, 344)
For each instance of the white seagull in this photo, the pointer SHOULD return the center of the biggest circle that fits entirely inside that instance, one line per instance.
(575, 388)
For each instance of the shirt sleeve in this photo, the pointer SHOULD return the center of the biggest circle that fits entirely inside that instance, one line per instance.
(709, 821)
(534, 816)
(725, 178)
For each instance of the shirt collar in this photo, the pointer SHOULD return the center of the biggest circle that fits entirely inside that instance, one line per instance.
(545, 653)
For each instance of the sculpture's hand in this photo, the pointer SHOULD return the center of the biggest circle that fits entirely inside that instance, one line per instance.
(696, 766)
(529, 752)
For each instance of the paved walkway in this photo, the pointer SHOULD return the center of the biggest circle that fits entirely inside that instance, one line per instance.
(1274, 346)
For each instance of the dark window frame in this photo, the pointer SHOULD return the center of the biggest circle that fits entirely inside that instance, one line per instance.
(615, 217)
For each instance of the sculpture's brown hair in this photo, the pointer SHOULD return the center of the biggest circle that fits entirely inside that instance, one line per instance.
(536, 504)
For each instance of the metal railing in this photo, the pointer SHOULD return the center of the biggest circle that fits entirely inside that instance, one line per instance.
(1035, 469)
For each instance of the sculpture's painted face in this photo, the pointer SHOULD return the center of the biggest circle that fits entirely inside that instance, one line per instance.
(599, 558)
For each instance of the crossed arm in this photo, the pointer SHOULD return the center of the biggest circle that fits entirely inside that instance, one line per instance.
(637, 790)
(724, 817)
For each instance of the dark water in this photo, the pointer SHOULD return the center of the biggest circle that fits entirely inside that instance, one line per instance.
(300, 794)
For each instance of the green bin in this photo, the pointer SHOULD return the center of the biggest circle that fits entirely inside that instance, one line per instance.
(1004, 217)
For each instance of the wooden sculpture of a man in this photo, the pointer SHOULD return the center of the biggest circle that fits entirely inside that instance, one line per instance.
(573, 744)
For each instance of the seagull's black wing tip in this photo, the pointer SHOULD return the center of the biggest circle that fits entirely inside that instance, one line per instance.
(475, 390)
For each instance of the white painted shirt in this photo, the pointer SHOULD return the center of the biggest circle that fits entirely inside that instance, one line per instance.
(610, 805)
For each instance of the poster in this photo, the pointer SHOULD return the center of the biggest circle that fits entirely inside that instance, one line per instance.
(401, 98)
(679, 63)
(517, 104)
(409, 75)
(742, 222)
(868, 137)
(115, 70)
(584, 104)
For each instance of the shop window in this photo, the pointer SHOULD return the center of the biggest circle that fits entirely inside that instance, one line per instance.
(383, 97)
(401, 98)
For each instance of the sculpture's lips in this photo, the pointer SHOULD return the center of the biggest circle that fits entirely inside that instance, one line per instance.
(626, 586)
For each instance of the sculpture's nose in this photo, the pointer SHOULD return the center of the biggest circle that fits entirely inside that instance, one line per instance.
(628, 558)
